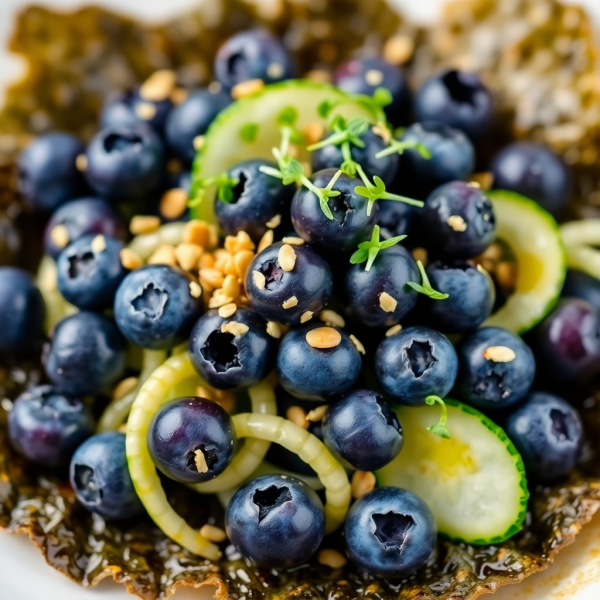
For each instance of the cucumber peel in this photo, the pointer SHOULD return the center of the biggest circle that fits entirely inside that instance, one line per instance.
(474, 483)
(534, 237)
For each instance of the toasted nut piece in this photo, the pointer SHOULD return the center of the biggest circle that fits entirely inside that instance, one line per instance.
(242, 241)
(290, 302)
(274, 222)
(313, 132)
(81, 162)
(331, 558)
(145, 111)
(393, 330)
(213, 534)
(163, 255)
(286, 257)
(129, 259)
(241, 262)
(357, 343)
(213, 277)
(197, 232)
(293, 241)
(218, 299)
(173, 203)
(245, 88)
(275, 70)
(227, 310)
(198, 142)
(388, 303)
(332, 318)
(319, 75)
(207, 261)
(231, 286)
(158, 86)
(398, 49)
(374, 76)
(457, 223)
(143, 224)
(506, 274)
(306, 316)
(265, 241)
(234, 327)
(178, 95)
(317, 414)
(200, 461)
(499, 354)
(297, 416)
(259, 280)
(124, 387)
(195, 289)
(323, 337)
(485, 179)
(188, 256)
(362, 483)
(98, 244)
(274, 329)
(60, 236)
(221, 258)
(420, 254)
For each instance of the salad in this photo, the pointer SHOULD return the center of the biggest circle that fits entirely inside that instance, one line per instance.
(291, 326)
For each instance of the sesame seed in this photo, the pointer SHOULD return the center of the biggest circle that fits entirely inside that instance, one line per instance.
(265, 241)
(81, 162)
(158, 86)
(200, 461)
(144, 224)
(393, 330)
(286, 257)
(362, 483)
(332, 318)
(188, 256)
(374, 77)
(235, 328)
(163, 255)
(306, 316)
(317, 414)
(195, 289)
(290, 302)
(357, 343)
(323, 337)
(275, 70)
(331, 558)
(98, 244)
(387, 302)
(293, 241)
(173, 203)
(227, 310)
(129, 259)
(499, 354)
(212, 533)
(198, 142)
(274, 329)
(259, 280)
(274, 222)
(60, 236)
(245, 88)
(457, 223)
(145, 111)
(297, 416)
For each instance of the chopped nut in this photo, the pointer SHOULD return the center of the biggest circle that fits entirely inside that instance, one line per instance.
(195, 289)
(293, 241)
(323, 337)
(145, 111)
(81, 162)
(242, 241)
(178, 95)
(163, 255)
(129, 259)
(219, 299)
(393, 330)
(331, 558)
(306, 316)
(317, 414)
(362, 483)
(290, 302)
(374, 77)
(297, 416)
(332, 318)
(124, 387)
(275, 70)
(158, 86)
(398, 49)
(200, 461)
(457, 223)
(222, 257)
(259, 280)
(212, 533)
(484, 180)
(357, 343)
(274, 329)
(241, 262)
(59, 235)
(313, 132)
(274, 222)
(387, 303)
(499, 354)
(231, 286)
(461, 575)
(286, 257)
(234, 327)
(207, 261)
(213, 277)
(506, 274)
(143, 224)
(420, 254)
(198, 142)
(173, 203)
(227, 310)
(241, 90)
(188, 256)
(98, 244)
(265, 241)
(197, 232)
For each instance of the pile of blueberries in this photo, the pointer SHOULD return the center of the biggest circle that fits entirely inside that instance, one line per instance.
(124, 171)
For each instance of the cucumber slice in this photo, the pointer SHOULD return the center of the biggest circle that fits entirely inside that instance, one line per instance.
(247, 129)
(474, 483)
(534, 237)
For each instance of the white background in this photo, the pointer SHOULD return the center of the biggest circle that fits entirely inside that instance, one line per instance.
(23, 573)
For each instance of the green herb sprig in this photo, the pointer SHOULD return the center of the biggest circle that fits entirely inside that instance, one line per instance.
(225, 186)
(441, 427)
(425, 286)
(368, 251)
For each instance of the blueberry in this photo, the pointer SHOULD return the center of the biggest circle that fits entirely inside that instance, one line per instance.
(457, 99)
(471, 296)
(390, 532)
(548, 435)
(191, 439)
(252, 54)
(363, 291)
(350, 224)
(190, 119)
(86, 355)
(365, 75)
(229, 360)
(100, 477)
(125, 162)
(46, 170)
(275, 521)
(316, 373)
(131, 109)
(46, 427)
(284, 296)
(583, 286)
(89, 272)
(156, 306)
(496, 368)
(415, 363)
(22, 311)
(81, 217)
(363, 430)
(257, 200)
(395, 218)
(535, 171)
(459, 220)
(330, 157)
(567, 342)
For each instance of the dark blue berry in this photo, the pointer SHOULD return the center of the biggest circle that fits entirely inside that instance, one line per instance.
(156, 306)
(548, 435)
(86, 355)
(100, 477)
(307, 287)
(22, 311)
(227, 360)
(458, 99)
(46, 427)
(191, 439)
(395, 218)
(390, 532)
(350, 224)
(535, 171)
(131, 108)
(496, 368)
(583, 286)
(275, 521)
(316, 373)
(47, 174)
(252, 54)
(459, 220)
(415, 363)
(363, 430)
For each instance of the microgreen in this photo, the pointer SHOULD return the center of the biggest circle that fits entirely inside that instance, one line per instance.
(425, 286)
(224, 184)
(440, 428)
(367, 251)
(374, 104)
(399, 146)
